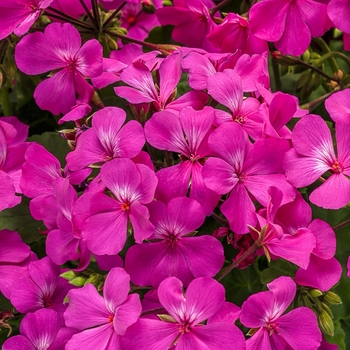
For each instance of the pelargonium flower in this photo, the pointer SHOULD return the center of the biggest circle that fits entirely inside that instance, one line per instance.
(188, 136)
(102, 320)
(40, 331)
(244, 169)
(18, 15)
(172, 251)
(70, 8)
(15, 256)
(132, 186)
(108, 138)
(41, 287)
(12, 149)
(59, 49)
(263, 311)
(289, 24)
(142, 88)
(313, 155)
(338, 106)
(184, 328)
(234, 34)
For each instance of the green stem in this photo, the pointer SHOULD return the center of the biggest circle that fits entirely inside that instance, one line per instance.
(341, 225)
(153, 311)
(96, 14)
(245, 255)
(315, 69)
(219, 6)
(325, 49)
(110, 18)
(311, 105)
(63, 17)
(5, 101)
(221, 220)
(132, 40)
(335, 54)
(277, 75)
(92, 19)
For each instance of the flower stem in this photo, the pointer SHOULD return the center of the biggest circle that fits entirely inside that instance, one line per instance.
(325, 48)
(219, 6)
(5, 101)
(245, 255)
(313, 104)
(110, 18)
(63, 17)
(341, 225)
(221, 220)
(132, 40)
(92, 19)
(153, 311)
(96, 14)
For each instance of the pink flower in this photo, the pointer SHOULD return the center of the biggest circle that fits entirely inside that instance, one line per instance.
(313, 155)
(290, 24)
(41, 287)
(172, 251)
(188, 136)
(107, 139)
(245, 171)
(15, 256)
(59, 48)
(339, 13)
(102, 320)
(338, 106)
(40, 331)
(297, 329)
(184, 328)
(132, 186)
(18, 15)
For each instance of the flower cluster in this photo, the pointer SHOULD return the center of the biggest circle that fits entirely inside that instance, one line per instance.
(186, 170)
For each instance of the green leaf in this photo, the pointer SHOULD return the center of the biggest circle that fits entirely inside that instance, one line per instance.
(276, 269)
(19, 219)
(240, 284)
(54, 143)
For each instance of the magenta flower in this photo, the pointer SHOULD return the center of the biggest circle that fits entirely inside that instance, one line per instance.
(107, 139)
(40, 331)
(188, 136)
(289, 24)
(102, 320)
(132, 186)
(339, 13)
(338, 106)
(172, 250)
(142, 88)
(18, 15)
(226, 88)
(244, 170)
(263, 311)
(12, 149)
(313, 155)
(15, 256)
(41, 287)
(184, 328)
(192, 21)
(73, 9)
(59, 48)
(234, 34)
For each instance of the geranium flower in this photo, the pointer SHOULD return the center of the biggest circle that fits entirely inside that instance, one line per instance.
(263, 311)
(59, 49)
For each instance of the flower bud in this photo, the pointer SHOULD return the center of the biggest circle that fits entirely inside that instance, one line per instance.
(148, 6)
(326, 323)
(332, 298)
(284, 60)
(68, 275)
(315, 293)
(78, 281)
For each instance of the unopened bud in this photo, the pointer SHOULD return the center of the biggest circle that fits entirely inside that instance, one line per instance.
(305, 56)
(78, 281)
(332, 298)
(327, 309)
(148, 6)
(326, 323)
(68, 275)
(315, 293)
(167, 318)
(112, 44)
(167, 49)
(284, 60)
